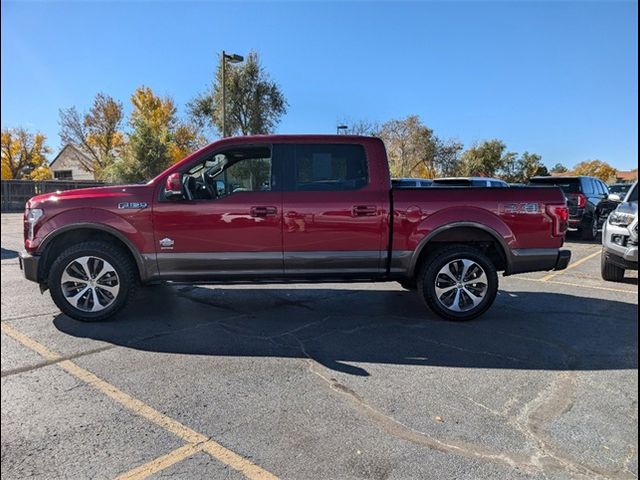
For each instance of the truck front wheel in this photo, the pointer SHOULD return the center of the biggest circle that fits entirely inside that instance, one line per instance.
(458, 282)
(609, 271)
(91, 281)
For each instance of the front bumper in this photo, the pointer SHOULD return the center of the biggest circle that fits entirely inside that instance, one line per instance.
(29, 265)
(538, 260)
(620, 261)
(627, 252)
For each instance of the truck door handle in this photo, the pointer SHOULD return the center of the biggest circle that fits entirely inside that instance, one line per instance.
(364, 210)
(263, 211)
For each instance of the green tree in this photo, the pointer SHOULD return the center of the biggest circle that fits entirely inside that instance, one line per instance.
(511, 168)
(255, 104)
(521, 169)
(148, 154)
(595, 168)
(559, 168)
(447, 157)
(24, 154)
(98, 133)
(486, 159)
(531, 166)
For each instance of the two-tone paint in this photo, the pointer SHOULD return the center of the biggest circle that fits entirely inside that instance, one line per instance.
(373, 233)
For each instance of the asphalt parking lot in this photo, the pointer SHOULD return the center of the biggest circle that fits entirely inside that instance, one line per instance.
(323, 381)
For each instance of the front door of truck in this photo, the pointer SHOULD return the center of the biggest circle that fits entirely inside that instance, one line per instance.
(229, 223)
(333, 213)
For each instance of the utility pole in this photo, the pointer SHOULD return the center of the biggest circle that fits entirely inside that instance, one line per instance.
(232, 58)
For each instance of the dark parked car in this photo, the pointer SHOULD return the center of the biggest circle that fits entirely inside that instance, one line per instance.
(411, 182)
(620, 189)
(587, 199)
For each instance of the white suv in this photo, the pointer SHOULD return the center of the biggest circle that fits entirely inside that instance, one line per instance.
(620, 238)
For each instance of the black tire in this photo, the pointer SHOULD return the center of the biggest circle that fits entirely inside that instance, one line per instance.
(590, 231)
(119, 260)
(428, 276)
(609, 271)
(409, 284)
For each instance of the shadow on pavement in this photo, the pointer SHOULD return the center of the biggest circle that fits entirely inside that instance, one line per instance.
(523, 330)
(7, 254)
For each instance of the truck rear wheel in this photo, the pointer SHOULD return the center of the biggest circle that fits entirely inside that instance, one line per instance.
(458, 282)
(91, 281)
(609, 271)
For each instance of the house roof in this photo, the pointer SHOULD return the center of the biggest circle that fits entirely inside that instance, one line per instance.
(627, 175)
(73, 147)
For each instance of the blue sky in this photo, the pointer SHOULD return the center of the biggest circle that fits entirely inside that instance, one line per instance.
(556, 78)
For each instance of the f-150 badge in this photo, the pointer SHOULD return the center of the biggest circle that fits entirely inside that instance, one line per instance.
(166, 243)
(132, 205)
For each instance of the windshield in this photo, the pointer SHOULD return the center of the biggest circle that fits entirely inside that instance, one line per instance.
(568, 185)
(633, 195)
(619, 189)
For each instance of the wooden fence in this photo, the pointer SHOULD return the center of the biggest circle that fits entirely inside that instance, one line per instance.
(15, 193)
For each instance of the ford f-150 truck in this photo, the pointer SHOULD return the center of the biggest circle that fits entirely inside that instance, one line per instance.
(289, 208)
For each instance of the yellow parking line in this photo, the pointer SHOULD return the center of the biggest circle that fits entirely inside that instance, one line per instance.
(162, 462)
(567, 284)
(573, 265)
(232, 459)
(29, 343)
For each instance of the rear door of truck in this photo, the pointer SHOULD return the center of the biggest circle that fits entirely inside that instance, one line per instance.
(335, 211)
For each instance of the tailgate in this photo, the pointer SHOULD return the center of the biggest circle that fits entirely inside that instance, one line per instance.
(572, 203)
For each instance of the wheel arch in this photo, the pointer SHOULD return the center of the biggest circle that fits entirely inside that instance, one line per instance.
(56, 241)
(464, 233)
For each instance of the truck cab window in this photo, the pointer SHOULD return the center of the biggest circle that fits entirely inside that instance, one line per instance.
(330, 167)
(241, 170)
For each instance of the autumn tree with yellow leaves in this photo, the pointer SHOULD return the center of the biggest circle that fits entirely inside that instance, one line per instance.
(595, 168)
(24, 155)
(157, 139)
(414, 150)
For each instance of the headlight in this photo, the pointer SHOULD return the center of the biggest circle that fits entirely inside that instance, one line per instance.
(621, 219)
(33, 216)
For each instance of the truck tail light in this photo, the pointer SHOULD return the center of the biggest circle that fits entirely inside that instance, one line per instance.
(560, 216)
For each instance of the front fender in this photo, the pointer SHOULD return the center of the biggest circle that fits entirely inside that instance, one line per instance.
(102, 220)
(87, 218)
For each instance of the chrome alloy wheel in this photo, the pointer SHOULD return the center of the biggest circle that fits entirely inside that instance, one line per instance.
(461, 285)
(90, 284)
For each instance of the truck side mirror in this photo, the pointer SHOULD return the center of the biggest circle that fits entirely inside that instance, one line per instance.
(614, 197)
(173, 187)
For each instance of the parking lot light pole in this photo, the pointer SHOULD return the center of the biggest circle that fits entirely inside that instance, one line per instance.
(231, 58)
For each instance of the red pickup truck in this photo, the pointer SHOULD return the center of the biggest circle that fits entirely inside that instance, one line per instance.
(289, 208)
